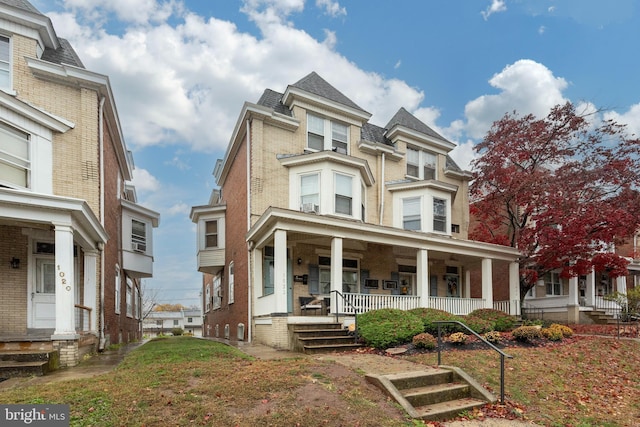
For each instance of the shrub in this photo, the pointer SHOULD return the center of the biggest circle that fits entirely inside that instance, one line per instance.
(526, 333)
(502, 321)
(388, 327)
(477, 324)
(430, 315)
(458, 338)
(425, 340)
(552, 334)
(565, 330)
(493, 336)
(177, 331)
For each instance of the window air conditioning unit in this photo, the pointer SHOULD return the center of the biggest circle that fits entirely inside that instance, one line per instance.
(309, 208)
(139, 247)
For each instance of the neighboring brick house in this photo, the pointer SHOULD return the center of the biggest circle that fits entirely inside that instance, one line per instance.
(74, 242)
(315, 201)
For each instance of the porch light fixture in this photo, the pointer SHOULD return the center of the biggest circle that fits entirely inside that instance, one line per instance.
(15, 262)
(299, 261)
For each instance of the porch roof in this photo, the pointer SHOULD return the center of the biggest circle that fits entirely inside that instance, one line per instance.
(327, 226)
(25, 208)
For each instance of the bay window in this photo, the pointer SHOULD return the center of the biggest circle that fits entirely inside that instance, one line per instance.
(15, 163)
(138, 236)
(211, 234)
(439, 215)
(309, 193)
(344, 194)
(268, 265)
(411, 214)
(5, 62)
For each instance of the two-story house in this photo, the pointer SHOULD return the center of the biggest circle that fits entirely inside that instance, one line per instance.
(74, 242)
(315, 201)
(164, 322)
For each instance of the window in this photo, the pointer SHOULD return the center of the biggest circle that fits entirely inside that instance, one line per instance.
(231, 282)
(411, 214)
(318, 130)
(129, 297)
(175, 322)
(455, 228)
(207, 296)
(189, 319)
(217, 292)
(421, 164)
(268, 264)
(117, 291)
(309, 193)
(5, 63)
(349, 275)
(343, 193)
(15, 163)
(138, 236)
(439, 215)
(211, 234)
(159, 322)
(553, 283)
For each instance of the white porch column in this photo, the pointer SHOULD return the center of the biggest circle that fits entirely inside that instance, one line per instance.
(280, 270)
(621, 284)
(90, 287)
(422, 277)
(573, 291)
(590, 291)
(487, 282)
(65, 300)
(467, 283)
(336, 274)
(514, 288)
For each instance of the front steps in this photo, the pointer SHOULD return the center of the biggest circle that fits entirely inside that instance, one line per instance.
(313, 338)
(600, 317)
(26, 363)
(436, 394)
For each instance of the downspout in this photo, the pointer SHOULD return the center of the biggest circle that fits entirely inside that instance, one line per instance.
(249, 269)
(101, 342)
(382, 188)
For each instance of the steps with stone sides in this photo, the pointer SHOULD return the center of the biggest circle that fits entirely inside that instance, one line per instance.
(313, 338)
(25, 363)
(437, 394)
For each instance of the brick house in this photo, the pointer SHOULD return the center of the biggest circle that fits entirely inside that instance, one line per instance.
(316, 202)
(74, 242)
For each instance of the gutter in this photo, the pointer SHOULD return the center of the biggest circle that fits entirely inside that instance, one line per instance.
(101, 337)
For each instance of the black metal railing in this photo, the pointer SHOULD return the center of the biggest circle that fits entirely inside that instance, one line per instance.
(530, 312)
(502, 354)
(345, 302)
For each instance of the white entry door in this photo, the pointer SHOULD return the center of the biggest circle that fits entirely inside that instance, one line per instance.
(43, 295)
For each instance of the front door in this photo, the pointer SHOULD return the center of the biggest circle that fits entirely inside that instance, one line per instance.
(43, 295)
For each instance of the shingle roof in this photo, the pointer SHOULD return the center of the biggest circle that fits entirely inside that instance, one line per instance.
(408, 120)
(316, 85)
(272, 99)
(373, 133)
(65, 54)
(21, 4)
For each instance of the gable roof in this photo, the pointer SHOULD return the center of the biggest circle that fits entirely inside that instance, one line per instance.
(65, 54)
(272, 99)
(316, 85)
(408, 120)
(22, 5)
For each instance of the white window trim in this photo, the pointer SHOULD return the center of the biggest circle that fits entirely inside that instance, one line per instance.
(217, 234)
(446, 226)
(420, 215)
(555, 280)
(351, 194)
(129, 297)
(117, 286)
(9, 88)
(423, 155)
(217, 292)
(328, 133)
(231, 282)
(305, 206)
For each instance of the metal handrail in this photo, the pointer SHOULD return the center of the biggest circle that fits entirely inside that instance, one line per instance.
(502, 354)
(344, 300)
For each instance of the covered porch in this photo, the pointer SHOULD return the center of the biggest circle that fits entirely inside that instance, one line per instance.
(350, 267)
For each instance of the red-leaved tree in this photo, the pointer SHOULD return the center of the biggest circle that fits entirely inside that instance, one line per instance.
(559, 189)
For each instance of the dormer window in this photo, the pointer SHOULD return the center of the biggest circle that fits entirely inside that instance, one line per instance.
(5, 63)
(323, 134)
(421, 164)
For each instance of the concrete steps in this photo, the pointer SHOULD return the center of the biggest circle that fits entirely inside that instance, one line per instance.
(313, 338)
(25, 363)
(435, 394)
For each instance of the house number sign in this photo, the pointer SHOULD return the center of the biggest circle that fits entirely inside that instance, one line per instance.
(63, 279)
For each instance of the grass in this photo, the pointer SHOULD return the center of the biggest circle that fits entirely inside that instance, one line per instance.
(182, 381)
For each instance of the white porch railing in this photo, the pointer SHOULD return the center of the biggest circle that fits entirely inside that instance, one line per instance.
(367, 302)
(458, 306)
(609, 307)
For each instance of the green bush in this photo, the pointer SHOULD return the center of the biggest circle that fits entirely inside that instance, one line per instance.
(388, 327)
(502, 321)
(177, 331)
(477, 324)
(430, 315)
(459, 338)
(493, 336)
(425, 340)
(526, 333)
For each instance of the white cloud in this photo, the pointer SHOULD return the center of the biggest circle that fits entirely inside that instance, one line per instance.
(525, 86)
(180, 208)
(144, 181)
(495, 7)
(631, 118)
(331, 7)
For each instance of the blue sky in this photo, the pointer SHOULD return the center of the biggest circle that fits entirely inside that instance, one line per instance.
(181, 70)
